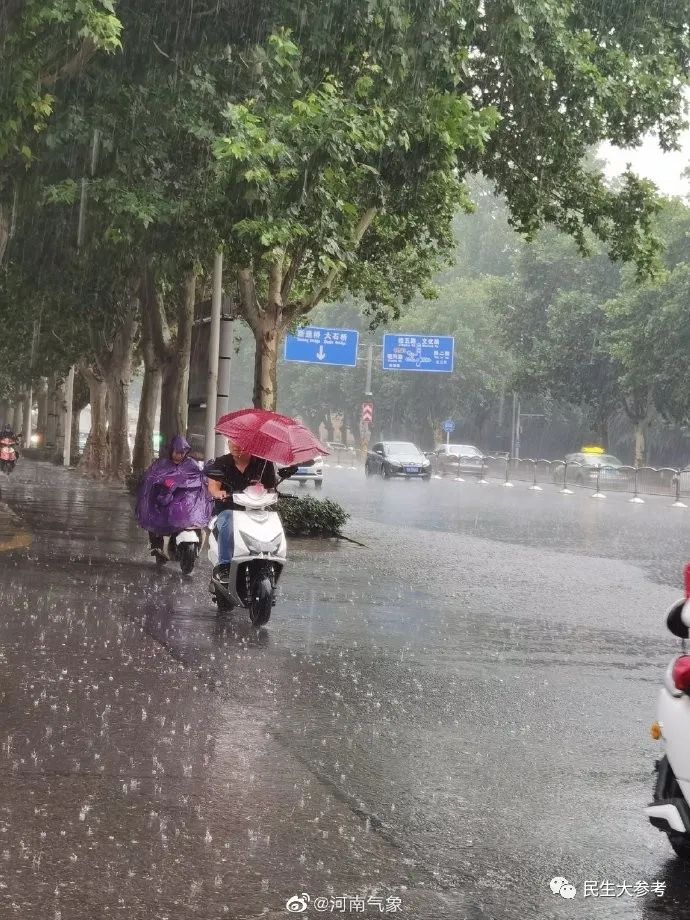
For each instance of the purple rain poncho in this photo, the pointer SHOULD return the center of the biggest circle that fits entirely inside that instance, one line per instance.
(173, 496)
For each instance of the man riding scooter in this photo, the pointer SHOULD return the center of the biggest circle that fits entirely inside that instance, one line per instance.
(234, 472)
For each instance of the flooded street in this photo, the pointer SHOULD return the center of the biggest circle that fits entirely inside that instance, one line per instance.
(434, 725)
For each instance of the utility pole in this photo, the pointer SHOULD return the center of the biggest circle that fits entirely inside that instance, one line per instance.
(365, 426)
(213, 355)
(224, 368)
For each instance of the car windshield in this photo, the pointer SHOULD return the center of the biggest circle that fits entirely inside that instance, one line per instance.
(464, 450)
(600, 460)
(401, 449)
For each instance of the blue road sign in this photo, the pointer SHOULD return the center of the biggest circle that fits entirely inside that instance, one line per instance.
(449, 426)
(429, 353)
(314, 345)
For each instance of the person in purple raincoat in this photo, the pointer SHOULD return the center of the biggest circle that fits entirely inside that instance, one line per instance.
(173, 496)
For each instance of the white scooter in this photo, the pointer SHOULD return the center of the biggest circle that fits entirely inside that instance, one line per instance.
(258, 559)
(185, 549)
(669, 810)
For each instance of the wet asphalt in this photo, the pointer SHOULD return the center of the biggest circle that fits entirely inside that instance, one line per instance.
(442, 720)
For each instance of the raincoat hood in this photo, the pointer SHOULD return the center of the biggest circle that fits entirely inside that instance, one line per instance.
(178, 445)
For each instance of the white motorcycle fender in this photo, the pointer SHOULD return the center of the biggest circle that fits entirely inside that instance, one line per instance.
(187, 536)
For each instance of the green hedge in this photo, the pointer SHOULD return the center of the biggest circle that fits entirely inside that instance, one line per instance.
(311, 517)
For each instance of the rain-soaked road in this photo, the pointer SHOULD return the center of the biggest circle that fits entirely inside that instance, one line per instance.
(449, 717)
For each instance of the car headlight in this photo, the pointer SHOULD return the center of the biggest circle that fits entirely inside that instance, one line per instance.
(426, 462)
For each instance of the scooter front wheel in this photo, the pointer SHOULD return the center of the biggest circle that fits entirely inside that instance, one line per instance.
(186, 554)
(221, 602)
(261, 601)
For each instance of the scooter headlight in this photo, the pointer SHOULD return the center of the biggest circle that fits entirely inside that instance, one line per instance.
(259, 548)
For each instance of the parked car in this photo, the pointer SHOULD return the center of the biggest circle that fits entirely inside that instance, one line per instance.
(458, 459)
(397, 458)
(583, 468)
(335, 446)
(313, 474)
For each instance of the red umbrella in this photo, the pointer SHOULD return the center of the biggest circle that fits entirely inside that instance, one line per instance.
(270, 436)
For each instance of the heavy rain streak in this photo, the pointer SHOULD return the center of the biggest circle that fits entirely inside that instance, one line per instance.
(344, 459)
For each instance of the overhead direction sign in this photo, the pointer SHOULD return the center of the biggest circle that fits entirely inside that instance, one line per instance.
(315, 345)
(427, 353)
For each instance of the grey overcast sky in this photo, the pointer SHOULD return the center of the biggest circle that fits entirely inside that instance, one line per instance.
(648, 160)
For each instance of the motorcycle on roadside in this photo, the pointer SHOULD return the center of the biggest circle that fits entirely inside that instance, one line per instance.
(8, 455)
(184, 548)
(669, 810)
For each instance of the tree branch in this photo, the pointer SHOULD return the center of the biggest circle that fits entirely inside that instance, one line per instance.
(275, 281)
(155, 321)
(291, 273)
(248, 302)
(74, 65)
(365, 222)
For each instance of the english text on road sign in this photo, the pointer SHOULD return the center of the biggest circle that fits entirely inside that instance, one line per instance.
(315, 345)
(426, 353)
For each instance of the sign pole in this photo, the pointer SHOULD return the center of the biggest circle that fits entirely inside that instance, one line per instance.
(370, 365)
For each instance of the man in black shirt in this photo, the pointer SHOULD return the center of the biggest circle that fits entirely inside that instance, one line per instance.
(234, 472)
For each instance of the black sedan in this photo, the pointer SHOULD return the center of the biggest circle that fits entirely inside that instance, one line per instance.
(397, 458)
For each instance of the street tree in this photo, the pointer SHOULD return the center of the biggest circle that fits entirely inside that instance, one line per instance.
(346, 167)
(43, 45)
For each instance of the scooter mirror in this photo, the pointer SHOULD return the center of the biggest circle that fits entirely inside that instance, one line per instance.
(675, 622)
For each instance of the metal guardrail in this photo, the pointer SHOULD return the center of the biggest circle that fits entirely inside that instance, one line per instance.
(566, 476)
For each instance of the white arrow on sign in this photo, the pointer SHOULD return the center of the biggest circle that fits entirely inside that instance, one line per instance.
(320, 354)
